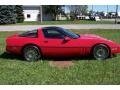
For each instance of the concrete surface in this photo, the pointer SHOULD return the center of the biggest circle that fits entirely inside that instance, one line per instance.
(70, 26)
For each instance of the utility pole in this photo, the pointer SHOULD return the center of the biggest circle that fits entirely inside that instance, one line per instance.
(116, 14)
(41, 12)
(92, 10)
(107, 11)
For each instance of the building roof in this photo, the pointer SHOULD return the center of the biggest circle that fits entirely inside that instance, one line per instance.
(31, 7)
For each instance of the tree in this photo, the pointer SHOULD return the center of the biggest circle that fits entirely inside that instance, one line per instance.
(7, 14)
(54, 10)
(91, 13)
(19, 13)
(77, 10)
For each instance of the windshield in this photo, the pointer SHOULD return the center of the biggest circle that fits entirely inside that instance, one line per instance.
(71, 34)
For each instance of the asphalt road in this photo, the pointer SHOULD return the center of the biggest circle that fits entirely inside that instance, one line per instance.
(70, 26)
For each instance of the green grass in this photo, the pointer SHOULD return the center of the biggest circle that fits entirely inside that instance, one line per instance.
(64, 22)
(13, 70)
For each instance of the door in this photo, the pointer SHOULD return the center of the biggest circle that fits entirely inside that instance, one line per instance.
(55, 44)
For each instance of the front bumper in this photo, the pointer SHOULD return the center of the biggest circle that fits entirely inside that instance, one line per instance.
(115, 49)
(119, 49)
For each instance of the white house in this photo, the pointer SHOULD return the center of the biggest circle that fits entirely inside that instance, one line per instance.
(32, 13)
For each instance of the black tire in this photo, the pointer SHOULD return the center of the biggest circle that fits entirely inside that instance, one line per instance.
(31, 53)
(101, 52)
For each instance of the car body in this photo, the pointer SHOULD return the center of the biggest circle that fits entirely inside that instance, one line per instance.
(59, 42)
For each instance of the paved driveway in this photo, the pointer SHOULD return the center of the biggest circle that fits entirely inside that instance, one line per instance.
(70, 26)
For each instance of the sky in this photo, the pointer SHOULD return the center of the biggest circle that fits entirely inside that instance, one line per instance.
(103, 8)
(111, 8)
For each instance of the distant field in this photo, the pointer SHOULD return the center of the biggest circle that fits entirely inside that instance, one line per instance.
(13, 70)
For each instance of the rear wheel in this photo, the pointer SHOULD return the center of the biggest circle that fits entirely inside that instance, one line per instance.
(31, 53)
(101, 52)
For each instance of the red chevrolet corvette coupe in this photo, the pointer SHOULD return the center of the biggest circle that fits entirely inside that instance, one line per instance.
(59, 42)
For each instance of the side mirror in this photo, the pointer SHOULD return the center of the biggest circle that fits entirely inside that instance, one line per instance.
(67, 39)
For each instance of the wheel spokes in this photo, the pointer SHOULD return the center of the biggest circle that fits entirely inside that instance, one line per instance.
(101, 52)
(31, 54)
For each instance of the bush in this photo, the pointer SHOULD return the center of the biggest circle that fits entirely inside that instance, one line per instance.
(7, 14)
(19, 13)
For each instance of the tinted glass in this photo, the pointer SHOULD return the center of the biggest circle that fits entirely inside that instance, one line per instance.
(32, 34)
(69, 33)
(52, 33)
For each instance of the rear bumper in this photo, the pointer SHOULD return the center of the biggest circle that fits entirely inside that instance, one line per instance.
(13, 49)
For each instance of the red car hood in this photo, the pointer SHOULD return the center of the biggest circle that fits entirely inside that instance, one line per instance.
(98, 38)
(91, 36)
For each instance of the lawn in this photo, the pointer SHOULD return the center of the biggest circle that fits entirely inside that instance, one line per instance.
(13, 70)
(65, 22)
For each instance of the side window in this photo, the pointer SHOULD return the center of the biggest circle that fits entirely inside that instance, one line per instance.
(31, 34)
(51, 33)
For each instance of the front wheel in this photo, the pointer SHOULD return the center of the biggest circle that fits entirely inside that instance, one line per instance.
(101, 52)
(31, 53)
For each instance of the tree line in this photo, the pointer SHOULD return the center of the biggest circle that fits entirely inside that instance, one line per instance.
(11, 14)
